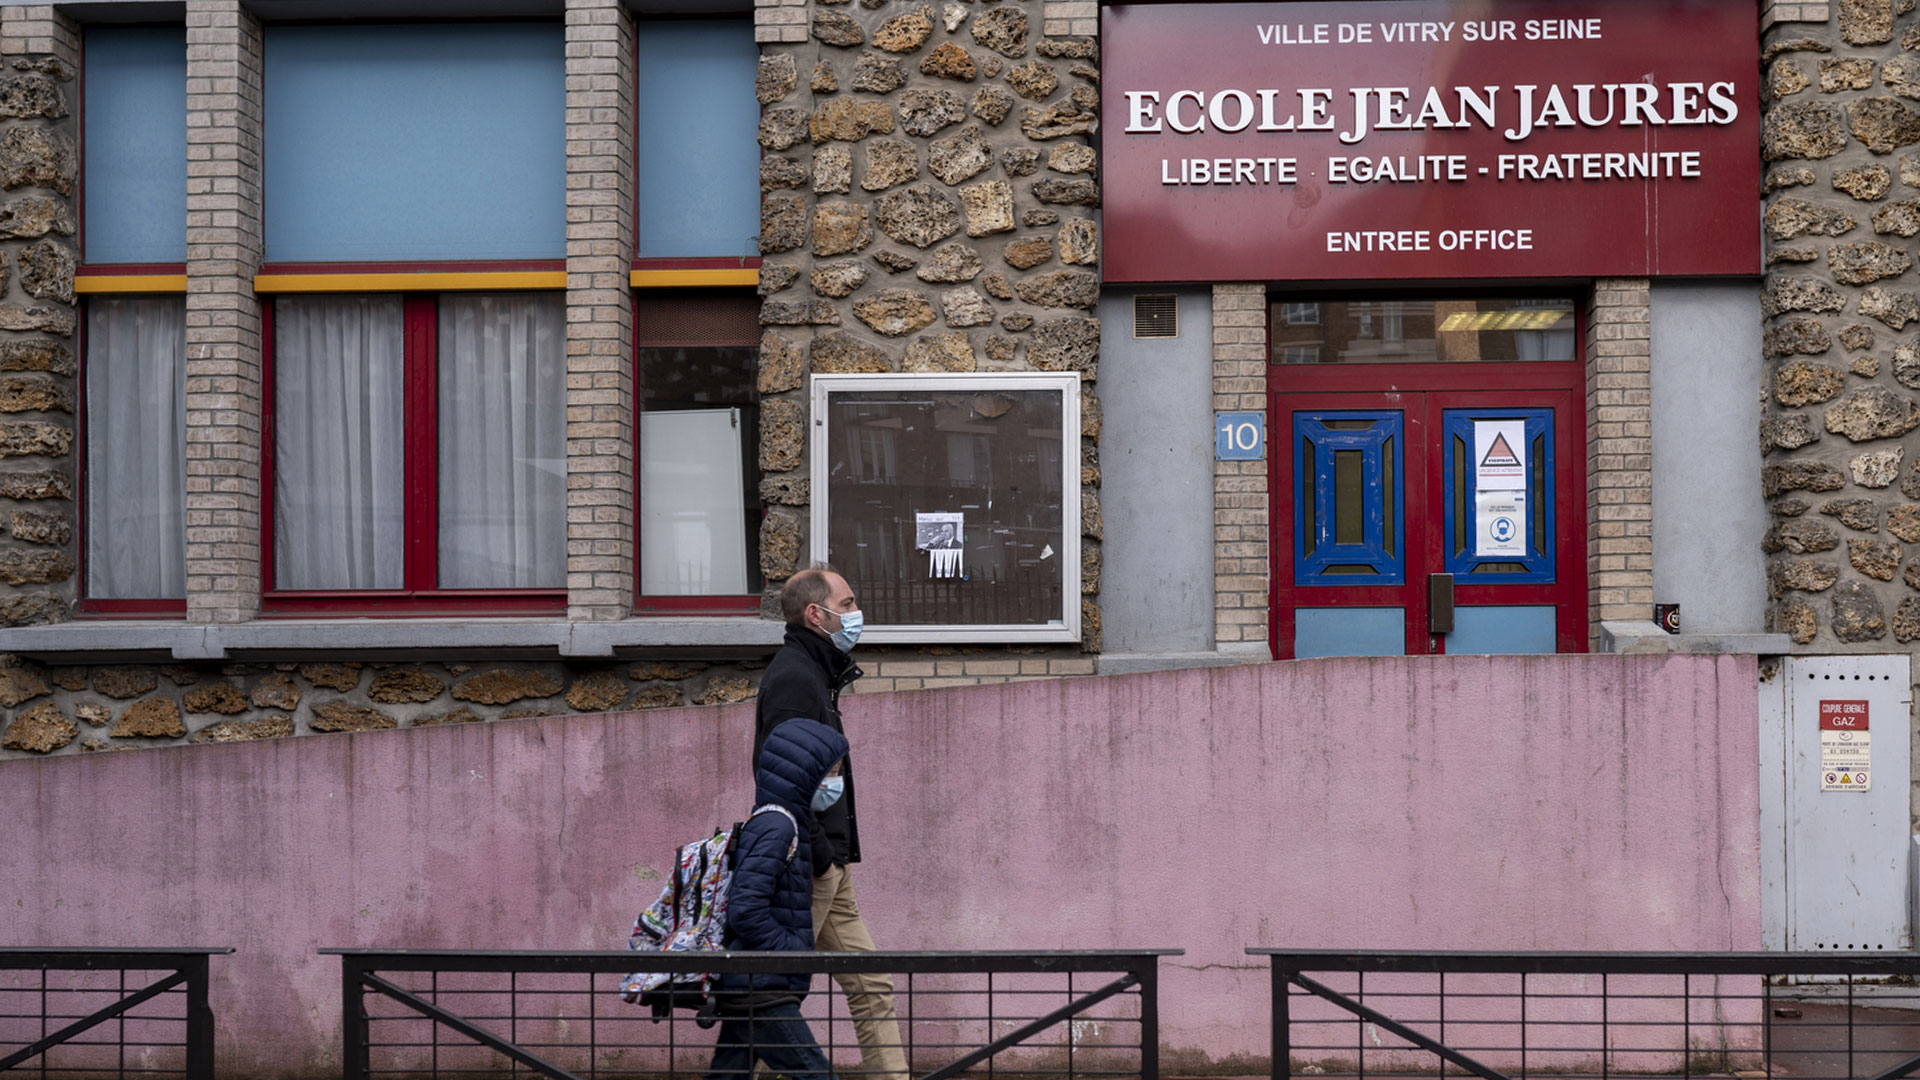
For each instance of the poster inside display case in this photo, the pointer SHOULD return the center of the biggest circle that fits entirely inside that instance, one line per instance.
(952, 502)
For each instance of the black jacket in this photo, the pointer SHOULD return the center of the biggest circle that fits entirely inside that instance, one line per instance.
(804, 681)
(770, 902)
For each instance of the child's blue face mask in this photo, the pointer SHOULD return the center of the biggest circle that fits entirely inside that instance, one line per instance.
(828, 792)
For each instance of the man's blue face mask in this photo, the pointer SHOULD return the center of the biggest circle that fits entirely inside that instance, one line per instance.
(848, 635)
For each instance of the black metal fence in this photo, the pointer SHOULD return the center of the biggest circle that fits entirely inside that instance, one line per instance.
(1506, 1016)
(1075, 1015)
(106, 1012)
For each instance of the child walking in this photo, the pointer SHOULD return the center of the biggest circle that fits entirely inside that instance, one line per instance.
(770, 907)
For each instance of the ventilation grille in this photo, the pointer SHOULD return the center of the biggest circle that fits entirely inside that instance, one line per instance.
(675, 317)
(1155, 317)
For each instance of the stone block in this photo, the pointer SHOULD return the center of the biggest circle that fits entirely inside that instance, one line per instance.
(965, 307)
(41, 729)
(502, 686)
(1896, 309)
(1002, 29)
(782, 435)
(889, 162)
(906, 32)
(152, 718)
(950, 264)
(35, 438)
(895, 311)
(989, 207)
(959, 157)
(1857, 613)
(341, 677)
(839, 353)
(1883, 124)
(942, 352)
(1802, 130)
(917, 215)
(405, 685)
(342, 716)
(949, 61)
(1789, 217)
(840, 227)
(1877, 469)
(926, 112)
(1873, 412)
(992, 104)
(37, 157)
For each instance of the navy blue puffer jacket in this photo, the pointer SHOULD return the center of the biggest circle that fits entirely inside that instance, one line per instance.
(770, 904)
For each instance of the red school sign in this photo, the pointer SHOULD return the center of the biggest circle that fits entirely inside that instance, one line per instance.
(1427, 139)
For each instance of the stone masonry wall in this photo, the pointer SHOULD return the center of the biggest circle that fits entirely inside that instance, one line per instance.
(929, 196)
(39, 51)
(1842, 198)
(82, 709)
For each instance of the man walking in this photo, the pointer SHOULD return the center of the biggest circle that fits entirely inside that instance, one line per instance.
(804, 680)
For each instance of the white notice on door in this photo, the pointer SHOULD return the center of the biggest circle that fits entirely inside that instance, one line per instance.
(1500, 524)
(1846, 748)
(1499, 455)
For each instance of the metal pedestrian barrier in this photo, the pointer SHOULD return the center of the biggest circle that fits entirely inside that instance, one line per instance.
(106, 1012)
(1509, 1016)
(1078, 1015)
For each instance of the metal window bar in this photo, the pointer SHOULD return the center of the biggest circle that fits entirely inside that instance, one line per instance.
(449, 1013)
(1509, 1016)
(53, 1025)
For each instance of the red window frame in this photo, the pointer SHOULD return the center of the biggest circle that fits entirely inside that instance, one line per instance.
(420, 593)
(90, 607)
(675, 605)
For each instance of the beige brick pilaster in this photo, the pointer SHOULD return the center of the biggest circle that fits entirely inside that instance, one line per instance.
(1240, 598)
(224, 244)
(1619, 454)
(32, 30)
(601, 437)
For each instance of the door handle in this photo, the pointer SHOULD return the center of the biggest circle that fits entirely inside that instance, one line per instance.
(1440, 603)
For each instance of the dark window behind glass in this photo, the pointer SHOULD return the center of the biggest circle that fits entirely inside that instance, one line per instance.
(991, 457)
(1421, 331)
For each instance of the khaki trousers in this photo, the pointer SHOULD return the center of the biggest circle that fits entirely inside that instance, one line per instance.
(837, 927)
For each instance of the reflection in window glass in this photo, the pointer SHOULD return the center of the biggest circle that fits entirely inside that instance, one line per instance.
(994, 458)
(1423, 331)
(699, 433)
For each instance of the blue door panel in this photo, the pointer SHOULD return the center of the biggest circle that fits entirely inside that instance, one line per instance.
(1502, 629)
(1349, 631)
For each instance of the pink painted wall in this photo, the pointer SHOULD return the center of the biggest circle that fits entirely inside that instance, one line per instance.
(1565, 802)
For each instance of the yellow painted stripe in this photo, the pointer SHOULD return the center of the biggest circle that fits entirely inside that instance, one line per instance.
(430, 282)
(130, 283)
(658, 279)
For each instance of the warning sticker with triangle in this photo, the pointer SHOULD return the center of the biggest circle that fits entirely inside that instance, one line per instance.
(1500, 455)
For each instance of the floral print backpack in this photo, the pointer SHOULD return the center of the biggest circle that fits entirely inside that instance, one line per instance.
(690, 916)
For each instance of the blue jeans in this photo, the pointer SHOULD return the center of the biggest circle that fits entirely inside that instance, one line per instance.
(777, 1036)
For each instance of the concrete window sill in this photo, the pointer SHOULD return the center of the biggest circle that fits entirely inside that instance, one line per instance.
(399, 639)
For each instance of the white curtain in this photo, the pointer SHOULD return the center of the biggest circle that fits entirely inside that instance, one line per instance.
(136, 448)
(503, 448)
(339, 468)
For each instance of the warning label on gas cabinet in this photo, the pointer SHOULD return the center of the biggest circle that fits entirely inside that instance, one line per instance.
(1845, 750)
